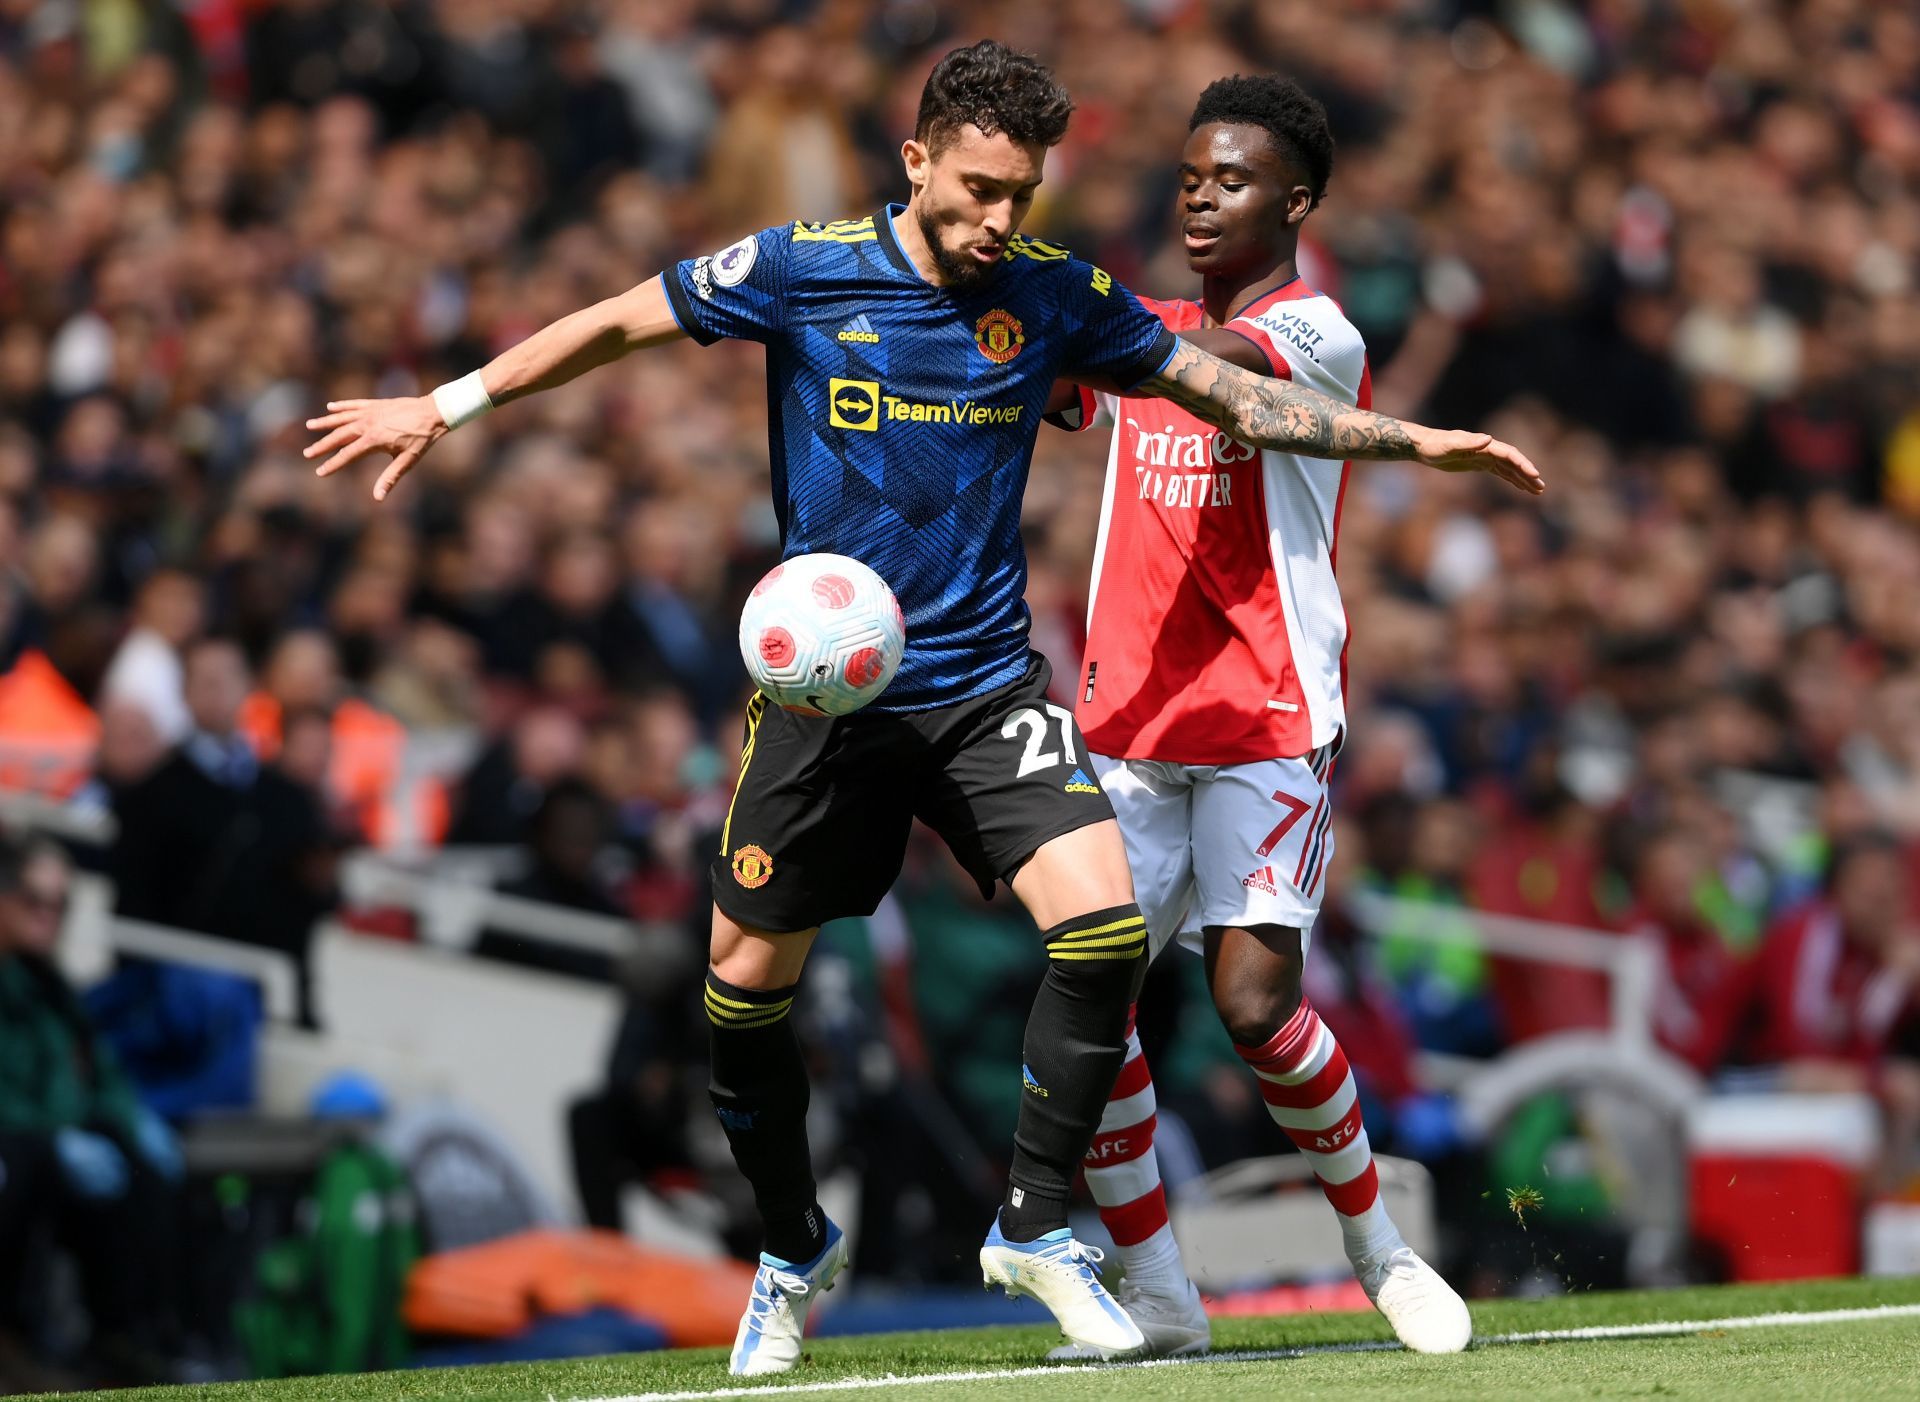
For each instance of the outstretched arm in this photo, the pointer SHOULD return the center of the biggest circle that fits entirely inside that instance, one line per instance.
(1230, 346)
(1276, 413)
(571, 346)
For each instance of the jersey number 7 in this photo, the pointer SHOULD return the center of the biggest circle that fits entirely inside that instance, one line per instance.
(1296, 810)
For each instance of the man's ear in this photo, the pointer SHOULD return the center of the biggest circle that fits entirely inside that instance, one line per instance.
(1299, 204)
(918, 161)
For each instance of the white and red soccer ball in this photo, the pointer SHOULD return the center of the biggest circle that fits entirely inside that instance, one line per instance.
(822, 635)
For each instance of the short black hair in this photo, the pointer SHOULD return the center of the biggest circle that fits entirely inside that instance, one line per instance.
(1288, 113)
(995, 89)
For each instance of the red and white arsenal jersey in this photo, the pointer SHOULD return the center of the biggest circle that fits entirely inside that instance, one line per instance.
(1215, 632)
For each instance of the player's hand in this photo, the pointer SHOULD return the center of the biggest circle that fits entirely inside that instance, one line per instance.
(401, 428)
(1453, 450)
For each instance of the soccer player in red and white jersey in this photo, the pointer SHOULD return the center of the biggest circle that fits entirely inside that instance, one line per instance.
(1211, 695)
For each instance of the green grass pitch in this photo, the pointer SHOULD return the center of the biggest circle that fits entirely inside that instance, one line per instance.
(1853, 1359)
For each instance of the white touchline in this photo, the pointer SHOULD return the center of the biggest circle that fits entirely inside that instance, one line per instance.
(1658, 1329)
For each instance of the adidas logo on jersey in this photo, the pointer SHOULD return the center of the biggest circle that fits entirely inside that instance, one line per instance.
(1080, 783)
(860, 331)
(1261, 880)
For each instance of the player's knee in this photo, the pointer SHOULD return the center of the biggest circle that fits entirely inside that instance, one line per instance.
(1103, 953)
(1253, 1015)
(1253, 1007)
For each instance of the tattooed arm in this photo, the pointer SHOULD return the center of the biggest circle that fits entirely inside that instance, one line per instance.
(1275, 413)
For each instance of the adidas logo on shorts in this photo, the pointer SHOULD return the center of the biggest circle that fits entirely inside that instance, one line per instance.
(1261, 880)
(1080, 783)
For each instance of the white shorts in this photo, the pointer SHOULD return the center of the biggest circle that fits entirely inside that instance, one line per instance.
(1224, 845)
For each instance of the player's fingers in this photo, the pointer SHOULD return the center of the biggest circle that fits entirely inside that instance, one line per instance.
(353, 452)
(395, 471)
(1516, 476)
(1531, 484)
(333, 404)
(325, 421)
(322, 447)
(1516, 467)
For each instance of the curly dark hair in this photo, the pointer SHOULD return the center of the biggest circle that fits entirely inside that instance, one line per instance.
(1292, 117)
(995, 89)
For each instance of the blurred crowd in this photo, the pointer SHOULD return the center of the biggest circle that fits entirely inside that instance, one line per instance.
(1669, 247)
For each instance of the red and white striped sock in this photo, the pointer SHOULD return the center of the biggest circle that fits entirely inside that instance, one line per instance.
(1123, 1174)
(1309, 1090)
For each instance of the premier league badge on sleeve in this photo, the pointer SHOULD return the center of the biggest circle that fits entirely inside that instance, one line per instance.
(732, 263)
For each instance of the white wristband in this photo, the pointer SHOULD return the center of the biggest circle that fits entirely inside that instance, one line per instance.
(462, 400)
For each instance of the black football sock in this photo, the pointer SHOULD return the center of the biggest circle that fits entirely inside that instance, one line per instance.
(759, 1090)
(1076, 1041)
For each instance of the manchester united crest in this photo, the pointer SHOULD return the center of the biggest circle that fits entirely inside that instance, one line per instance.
(752, 867)
(999, 335)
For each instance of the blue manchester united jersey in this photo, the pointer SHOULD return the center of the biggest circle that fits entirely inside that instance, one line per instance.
(903, 415)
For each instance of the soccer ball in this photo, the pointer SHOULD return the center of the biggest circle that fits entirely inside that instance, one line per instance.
(822, 635)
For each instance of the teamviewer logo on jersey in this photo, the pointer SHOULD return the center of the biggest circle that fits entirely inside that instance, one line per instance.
(854, 404)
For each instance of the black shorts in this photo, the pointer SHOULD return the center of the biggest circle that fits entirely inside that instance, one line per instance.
(818, 827)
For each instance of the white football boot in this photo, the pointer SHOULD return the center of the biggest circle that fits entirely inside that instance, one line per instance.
(776, 1317)
(1059, 1272)
(1422, 1308)
(1173, 1325)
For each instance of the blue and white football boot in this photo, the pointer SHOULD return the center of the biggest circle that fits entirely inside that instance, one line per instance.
(776, 1317)
(1059, 1272)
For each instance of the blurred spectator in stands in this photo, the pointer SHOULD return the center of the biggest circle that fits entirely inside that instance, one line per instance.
(366, 779)
(212, 841)
(1706, 984)
(130, 749)
(506, 785)
(114, 1166)
(61, 563)
(1838, 978)
(1544, 863)
(570, 607)
(570, 835)
(650, 48)
(567, 844)
(48, 732)
(306, 757)
(1883, 755)
(783, 150)
(586, 130)
(432, 679)
(168, 613)
(668, 627)
(1420, 854)
(671, 806)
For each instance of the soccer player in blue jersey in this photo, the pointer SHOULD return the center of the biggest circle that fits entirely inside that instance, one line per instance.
(910, 354)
